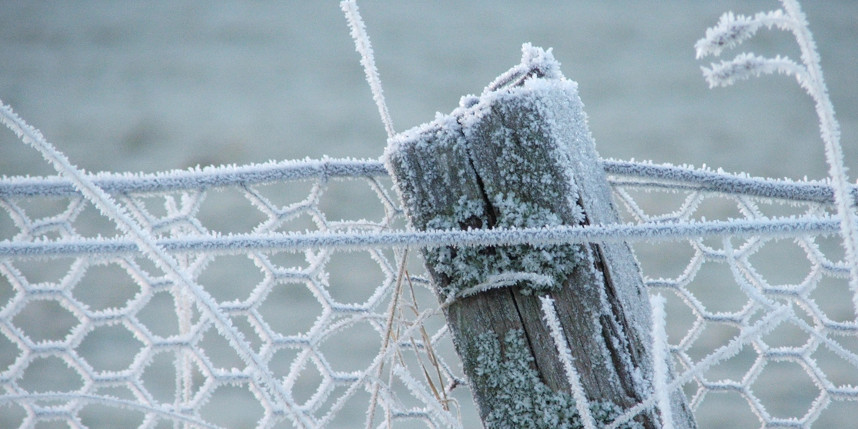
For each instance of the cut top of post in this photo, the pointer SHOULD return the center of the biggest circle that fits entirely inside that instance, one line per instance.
(535, 87)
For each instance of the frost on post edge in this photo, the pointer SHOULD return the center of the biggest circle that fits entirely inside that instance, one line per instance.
(531, 184)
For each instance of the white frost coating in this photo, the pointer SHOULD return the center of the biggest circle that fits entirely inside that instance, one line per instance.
(534, 59)
(532, 96)
(549, 314)
(748, 333)
(270, 387)
(660, 355)
(622, 173)
(506, 279)
(731, 31)
(364, 48)
(236, 243)
(747, 65)
(420, 391)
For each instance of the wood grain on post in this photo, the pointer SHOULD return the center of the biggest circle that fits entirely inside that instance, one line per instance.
(521, 155)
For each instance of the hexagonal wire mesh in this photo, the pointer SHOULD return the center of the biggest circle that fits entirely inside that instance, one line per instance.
(94, 333)
(276, 295)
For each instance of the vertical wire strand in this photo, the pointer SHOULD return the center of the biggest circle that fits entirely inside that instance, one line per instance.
(364, 48)
(549, 314)
(830, 131)
(661, 353)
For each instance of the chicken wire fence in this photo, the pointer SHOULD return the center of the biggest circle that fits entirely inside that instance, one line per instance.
(94, 334)
(290, 295)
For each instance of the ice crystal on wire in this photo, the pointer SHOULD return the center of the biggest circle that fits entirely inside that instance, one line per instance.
(367, 59)
(661, 354)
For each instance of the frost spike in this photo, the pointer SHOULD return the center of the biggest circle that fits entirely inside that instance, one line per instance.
(364, 48)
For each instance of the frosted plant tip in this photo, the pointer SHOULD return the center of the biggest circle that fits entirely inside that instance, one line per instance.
(730, 31)
(747, 65)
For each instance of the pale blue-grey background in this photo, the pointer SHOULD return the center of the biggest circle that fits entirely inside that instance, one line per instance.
(130, 86)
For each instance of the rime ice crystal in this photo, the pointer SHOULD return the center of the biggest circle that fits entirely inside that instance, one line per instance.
(521, 197)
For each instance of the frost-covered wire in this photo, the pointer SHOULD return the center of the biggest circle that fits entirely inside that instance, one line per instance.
(623, 173)
(731, 31)
(147, 245)
(660, 356)
(198, 178)
(748, 333)
(364, 48)
(669, 177)
(754, 291)
(235, 243)
(549, 315)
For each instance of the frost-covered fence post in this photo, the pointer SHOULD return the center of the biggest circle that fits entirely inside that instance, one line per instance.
(521, 155)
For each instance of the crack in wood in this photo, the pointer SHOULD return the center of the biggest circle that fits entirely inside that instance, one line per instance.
(514, 165)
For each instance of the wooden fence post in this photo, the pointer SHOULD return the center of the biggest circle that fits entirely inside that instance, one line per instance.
(521, 155)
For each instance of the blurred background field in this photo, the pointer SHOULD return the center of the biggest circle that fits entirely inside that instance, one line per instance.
(150, 86)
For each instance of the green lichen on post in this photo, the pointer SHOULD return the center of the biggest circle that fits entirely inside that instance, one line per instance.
(467, 267)
(517, 397)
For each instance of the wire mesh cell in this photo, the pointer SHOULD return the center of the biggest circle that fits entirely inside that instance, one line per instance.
(118, 338)
(727, 286)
